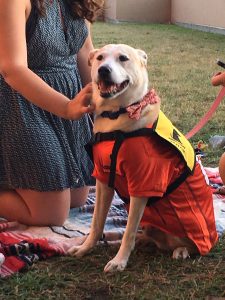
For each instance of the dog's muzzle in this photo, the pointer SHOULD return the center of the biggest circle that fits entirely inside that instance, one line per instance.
(107, 87)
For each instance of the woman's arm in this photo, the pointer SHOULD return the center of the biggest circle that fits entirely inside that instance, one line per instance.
(82, 59)
(14, 69)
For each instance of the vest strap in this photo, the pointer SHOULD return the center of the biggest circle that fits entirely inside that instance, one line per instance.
(170, 188)
(111, 136)
(118, 142)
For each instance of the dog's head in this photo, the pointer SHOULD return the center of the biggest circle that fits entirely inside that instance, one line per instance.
(119, 75)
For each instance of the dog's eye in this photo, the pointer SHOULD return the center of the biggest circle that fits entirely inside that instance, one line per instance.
(123, 58)
(99, 57)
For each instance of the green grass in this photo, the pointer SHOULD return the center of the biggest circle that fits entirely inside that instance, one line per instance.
(149, 275)
(181, 63)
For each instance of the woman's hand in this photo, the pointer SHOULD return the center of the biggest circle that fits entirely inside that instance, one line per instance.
(80, 104)
(218, 79)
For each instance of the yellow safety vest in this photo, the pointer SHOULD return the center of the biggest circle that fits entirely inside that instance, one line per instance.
(166, 130)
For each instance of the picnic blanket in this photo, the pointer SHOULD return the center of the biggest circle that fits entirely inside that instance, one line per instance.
(22, 246)
(218, 198)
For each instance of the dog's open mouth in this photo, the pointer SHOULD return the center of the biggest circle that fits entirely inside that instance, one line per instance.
(109, 89)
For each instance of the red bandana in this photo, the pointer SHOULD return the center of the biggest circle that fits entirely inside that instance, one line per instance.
(134, 110)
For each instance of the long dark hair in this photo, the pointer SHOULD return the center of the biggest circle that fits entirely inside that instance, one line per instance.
(87, 9)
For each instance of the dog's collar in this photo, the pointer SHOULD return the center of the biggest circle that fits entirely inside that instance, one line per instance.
(134, 110)
(112, 115)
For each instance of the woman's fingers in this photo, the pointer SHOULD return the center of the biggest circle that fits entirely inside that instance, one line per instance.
(81, 104)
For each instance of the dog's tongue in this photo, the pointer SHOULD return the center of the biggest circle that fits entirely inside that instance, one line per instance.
(106, 87)
(102, 86)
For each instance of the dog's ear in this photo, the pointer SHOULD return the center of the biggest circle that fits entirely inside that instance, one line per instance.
(143, 56)
(91, 56)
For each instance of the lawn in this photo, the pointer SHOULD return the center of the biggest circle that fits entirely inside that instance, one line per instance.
(181, 63)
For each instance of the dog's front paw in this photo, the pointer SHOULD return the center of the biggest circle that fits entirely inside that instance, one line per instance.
(180, 252)
(79, 251)
(115, 265)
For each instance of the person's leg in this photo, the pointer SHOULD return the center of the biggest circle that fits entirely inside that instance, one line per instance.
(79, 196)
(222, 167)
(35, 208)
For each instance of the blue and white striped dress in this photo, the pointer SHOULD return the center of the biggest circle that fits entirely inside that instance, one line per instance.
(39, 150)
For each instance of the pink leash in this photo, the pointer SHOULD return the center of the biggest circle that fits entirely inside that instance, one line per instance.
(217, 79)
(208, 115)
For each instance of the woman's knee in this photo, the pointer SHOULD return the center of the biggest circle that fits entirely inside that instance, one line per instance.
(79, 196)
(47, 208)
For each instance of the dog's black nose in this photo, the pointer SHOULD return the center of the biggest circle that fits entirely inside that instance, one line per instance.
(104, 71)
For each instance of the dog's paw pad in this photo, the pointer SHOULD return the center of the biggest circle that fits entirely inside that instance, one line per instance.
(114, 266)
(73, 250)
(180, 252)
(77, 251)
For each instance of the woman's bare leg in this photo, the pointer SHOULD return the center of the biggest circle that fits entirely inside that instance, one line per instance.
(35, 208)
(79, 196)
(222, 167)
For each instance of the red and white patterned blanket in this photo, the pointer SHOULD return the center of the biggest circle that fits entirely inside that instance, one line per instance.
(22, 246)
